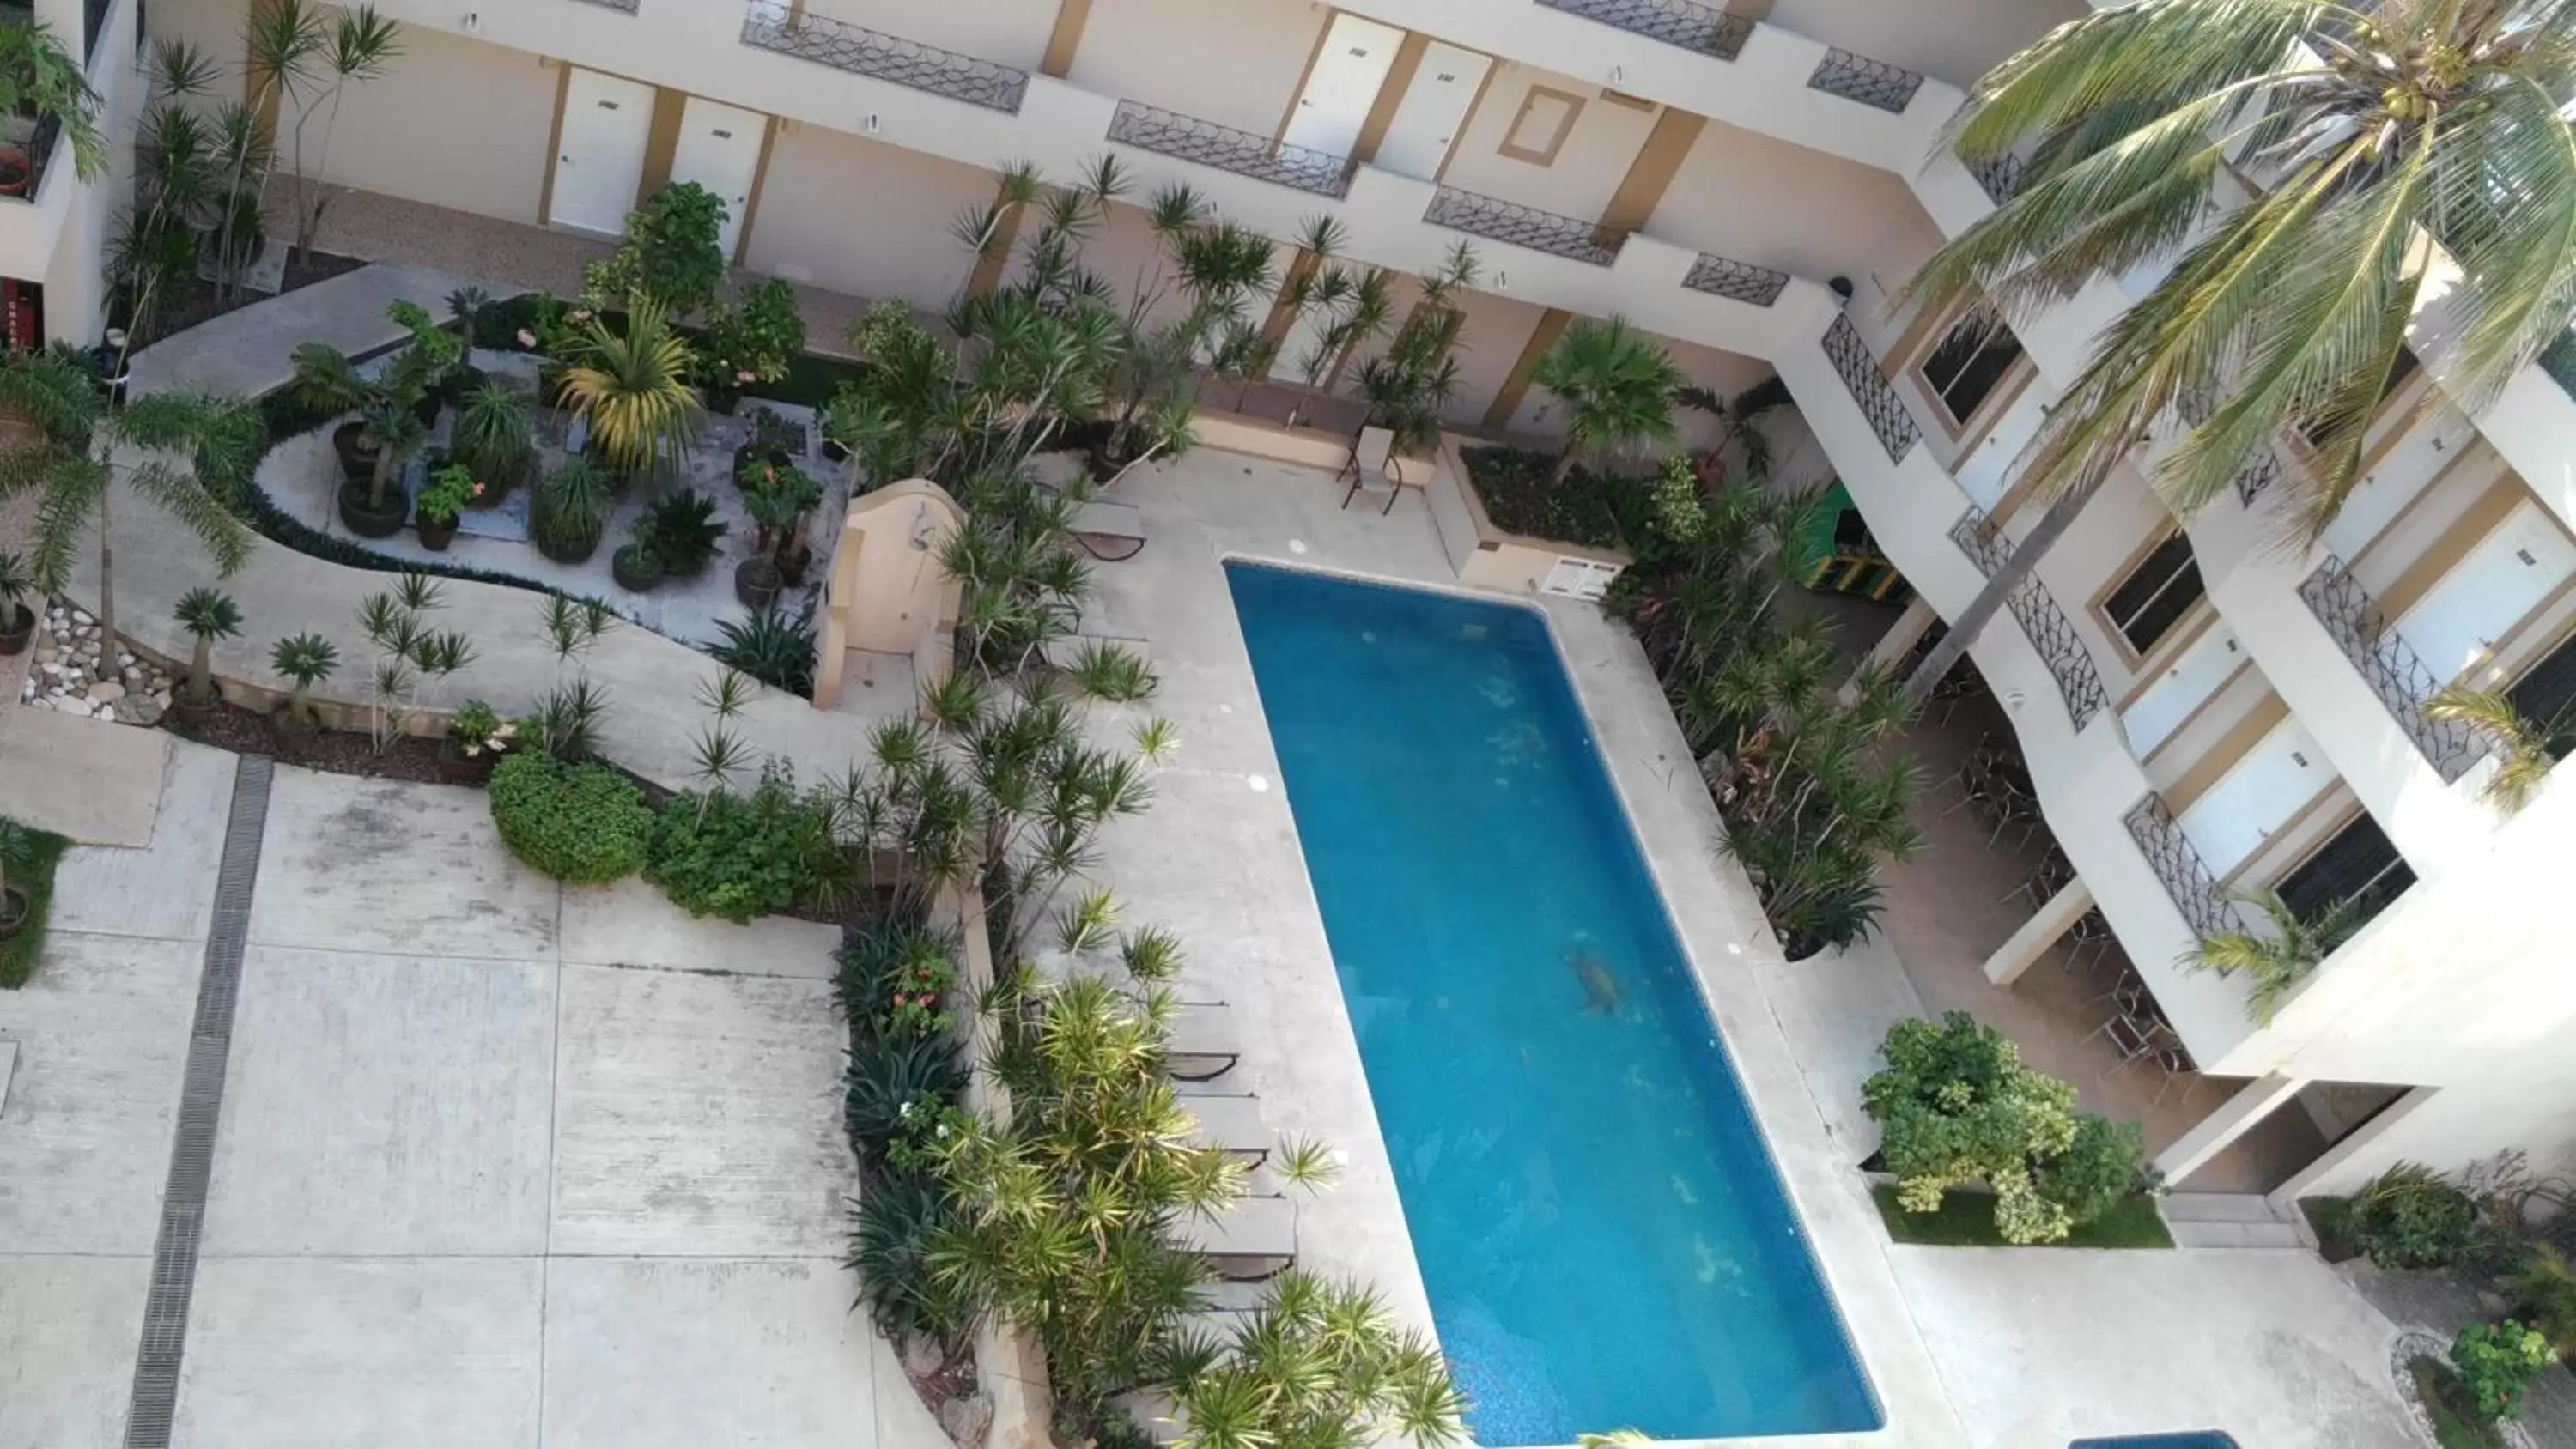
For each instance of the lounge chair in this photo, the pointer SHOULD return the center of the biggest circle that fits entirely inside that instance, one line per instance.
(1109, 532)
(1203, 1043)
(1373, 464)
(1230, 1122)
(1252, 1240)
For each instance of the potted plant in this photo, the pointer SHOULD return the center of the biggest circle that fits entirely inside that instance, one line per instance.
(491, 437)
(450, 491)
(749, 342)
(772, 444)
(780, 507)
(41, 80)
(374, 507)
(683, 532)
(570, 510)
(207, 616)
(18, 624)
(635, 566)
(395, 409)
(305, 660)
(632, 390)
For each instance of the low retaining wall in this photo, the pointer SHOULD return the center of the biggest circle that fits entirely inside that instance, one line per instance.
(1490, 557)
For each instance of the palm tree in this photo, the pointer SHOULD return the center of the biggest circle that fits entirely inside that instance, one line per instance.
(2279, 959)
(2527, 749)
(633, 388)
(207, 615)
(360, 46)
(1617, 386)
(2371, 129)
(184, 452)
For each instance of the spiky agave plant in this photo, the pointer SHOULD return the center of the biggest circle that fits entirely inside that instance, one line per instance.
(304, 660)
(2276, 960)
(2526, 749)
(632, 387)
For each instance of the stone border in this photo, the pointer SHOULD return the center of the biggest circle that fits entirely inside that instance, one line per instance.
(2416, 1341)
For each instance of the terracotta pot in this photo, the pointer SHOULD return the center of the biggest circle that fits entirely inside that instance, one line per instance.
(357, 451)
(17, 173)
(366, 520)
(435, 536)
(755, 583)
(21, 628)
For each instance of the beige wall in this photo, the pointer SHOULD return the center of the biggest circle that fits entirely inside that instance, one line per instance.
(1848, 219)
(1007, 32)
(1236, 63)
(1587, 168)
(855, 216)
(1496, 330)
(214, 27)
(1956, 40)
(454, 122)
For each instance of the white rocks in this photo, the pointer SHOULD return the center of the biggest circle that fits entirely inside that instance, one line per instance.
(72, 672)
(106, 693)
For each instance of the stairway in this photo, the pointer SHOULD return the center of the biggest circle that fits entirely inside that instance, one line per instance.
(2234, 1220)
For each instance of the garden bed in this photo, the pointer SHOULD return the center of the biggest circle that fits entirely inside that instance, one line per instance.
(415, 758)
(1967, 1220)
(1514, 486)
(34, 878)
(2437, 1392)
(204, 304)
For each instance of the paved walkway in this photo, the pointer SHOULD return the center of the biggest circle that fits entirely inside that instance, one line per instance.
(651, 681)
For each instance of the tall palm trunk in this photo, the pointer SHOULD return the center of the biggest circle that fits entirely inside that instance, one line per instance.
(1990, 600)
(107, 645)
(1564, 464)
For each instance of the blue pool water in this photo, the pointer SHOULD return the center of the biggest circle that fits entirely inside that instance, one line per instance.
(1598, 1222)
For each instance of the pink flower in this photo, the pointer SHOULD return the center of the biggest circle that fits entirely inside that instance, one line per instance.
(527, 338)
(746, 375)
(478, 490)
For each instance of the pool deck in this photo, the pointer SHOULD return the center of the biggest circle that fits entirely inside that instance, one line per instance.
(1997, 1349)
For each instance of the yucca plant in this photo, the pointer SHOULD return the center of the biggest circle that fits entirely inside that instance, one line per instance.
(2371, 131)
(2526, 749)
(2276, 960)
(207, 615)
(1616, 385)
(571, 508)
(632, 388)
(304, 660)
(1320, 1364)
(1111, 672)
(491, 435)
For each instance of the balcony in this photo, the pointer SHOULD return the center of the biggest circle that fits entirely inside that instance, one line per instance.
(628, 6)
(1526, 226)
(771, 25)
(2177, 864)
(1999, 177)
(1740, 281)
(2401, 679)
(1873, 83)
(2079, 683)
(1169, 133)
(1878, 401)
(1681, 23)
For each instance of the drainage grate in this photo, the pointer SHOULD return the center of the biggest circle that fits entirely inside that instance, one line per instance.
(201, 1101)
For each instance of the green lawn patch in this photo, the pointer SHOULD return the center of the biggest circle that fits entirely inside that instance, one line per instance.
(1513, 484)
(1967, 1220)
(2438, 1387)
(35, 879)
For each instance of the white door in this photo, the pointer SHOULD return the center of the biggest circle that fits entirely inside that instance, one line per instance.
(2385, 489)
(1343, 85)
(720, 150)
(606, 126)
(1434, 107)
(2509, 572)
(2283, 772)
(2153, 717)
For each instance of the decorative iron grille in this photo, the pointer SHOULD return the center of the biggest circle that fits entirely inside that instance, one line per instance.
(1743, 281)
(2001, 176)
(1524, 226)
(2079, 683)
(1878, 401)
(2265, 472)
(769, 25)
(2394, 671)
(1871, 82)
(629, 5)
(1700, 28)
(2177, 863)
(1241, 152)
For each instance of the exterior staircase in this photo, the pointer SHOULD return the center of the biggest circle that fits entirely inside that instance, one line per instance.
(2205, 1220)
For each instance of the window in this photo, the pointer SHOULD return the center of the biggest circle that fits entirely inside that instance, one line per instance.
(2547, 691)
(2359, 865)
(1973, 359)
(2156, 594)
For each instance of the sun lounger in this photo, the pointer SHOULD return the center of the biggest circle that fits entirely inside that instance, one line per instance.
(1110, 532)
(1230, 1122)
(1250, 1241)
(1203, 1042)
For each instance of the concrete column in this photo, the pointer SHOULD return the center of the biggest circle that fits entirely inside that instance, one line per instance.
(2041, 931)
(2366, 1139)
(2233, 1119)
(1900, 638)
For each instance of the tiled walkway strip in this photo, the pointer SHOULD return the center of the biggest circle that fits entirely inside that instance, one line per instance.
(201, 1100)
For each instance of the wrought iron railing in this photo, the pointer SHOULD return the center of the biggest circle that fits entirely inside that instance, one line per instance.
(626, 5)
(1149, 128)
(2079, 683)
(2001, 176)
(1525, 226)
(1743, 281)
(1701, 28)
(39, 149)
(2177, 863)
(1878, 401)
(2390, 665)
(2264, 472)
(771, 25)
(1870, 82)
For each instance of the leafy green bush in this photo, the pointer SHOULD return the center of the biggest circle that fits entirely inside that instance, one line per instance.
(27, 860)
(744, 856)
(2495, 1362)
(583, 823)
(1956, 1106)
(1514, 485)
(2411, 1217)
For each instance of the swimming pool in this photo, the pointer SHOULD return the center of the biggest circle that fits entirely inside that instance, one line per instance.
(1604, 1238)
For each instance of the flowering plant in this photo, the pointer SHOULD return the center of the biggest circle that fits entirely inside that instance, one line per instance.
(912, 1008)
(923, 1126)
(449, 490)
(478, 728)
(754, 340)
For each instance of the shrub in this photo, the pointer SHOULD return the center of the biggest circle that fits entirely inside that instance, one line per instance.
(2544, 1296)
(744, 856)
(2495, 1362)
(899, 1221)
(776, 649)
(894, 978)
(1319, 1364)
(1519, 496)
(585, 823)
(1956, 1106)
(2411, 1217)
(27, 860)
(888, 1080)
